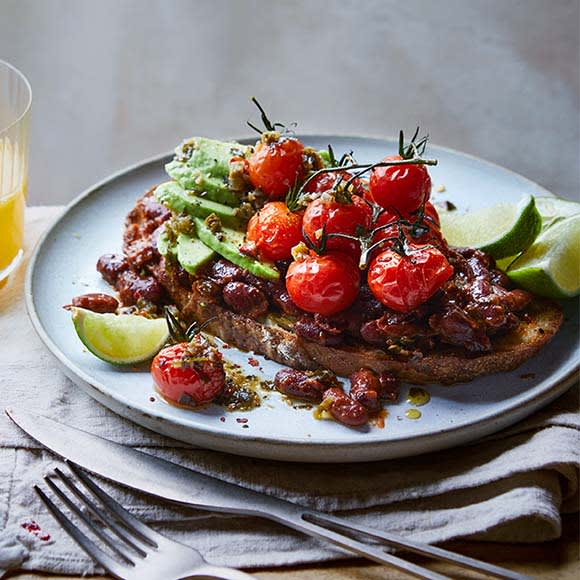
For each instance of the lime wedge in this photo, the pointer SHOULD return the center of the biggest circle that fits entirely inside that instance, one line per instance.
(551, 266)
(120, 339)
(554, 209)
(501, 230)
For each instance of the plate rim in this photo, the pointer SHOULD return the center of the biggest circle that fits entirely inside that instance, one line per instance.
(559, 386)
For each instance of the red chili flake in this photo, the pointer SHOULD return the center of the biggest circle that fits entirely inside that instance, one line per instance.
(226, 345)
(152, 399)
(33, 528)
(254, 362)
(223, 419)
(241, 420)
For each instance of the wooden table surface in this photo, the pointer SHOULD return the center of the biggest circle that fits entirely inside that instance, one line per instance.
(557, 560)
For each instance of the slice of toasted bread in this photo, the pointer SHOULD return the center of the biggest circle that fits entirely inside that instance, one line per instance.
(452, 365)
(449, 365)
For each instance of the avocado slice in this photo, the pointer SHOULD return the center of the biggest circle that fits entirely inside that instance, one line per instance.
(203, 166)
(227, 244)
(164, 246)
(178, 200)
(192, 253)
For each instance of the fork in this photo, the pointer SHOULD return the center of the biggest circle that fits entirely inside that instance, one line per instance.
(139, 547)
(140, 551)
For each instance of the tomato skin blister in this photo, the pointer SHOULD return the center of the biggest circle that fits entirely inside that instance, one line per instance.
(275, 167)
(332, 217)
(274, 231)
(404, 282)
(400, 188)
(324, 284)
(189, 373)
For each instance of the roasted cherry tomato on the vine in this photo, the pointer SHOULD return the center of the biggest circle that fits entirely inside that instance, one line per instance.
(403, 283)
(274, 231)
(419, 233)
(400, 188)
(275, 167)
(334, 217)
(323, 284)
(431, 213)
(325, 182)
(189, 373)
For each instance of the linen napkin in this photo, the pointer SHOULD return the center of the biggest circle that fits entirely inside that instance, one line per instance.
(510, 487)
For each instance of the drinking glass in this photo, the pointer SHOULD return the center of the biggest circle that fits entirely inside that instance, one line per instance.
(15, 101)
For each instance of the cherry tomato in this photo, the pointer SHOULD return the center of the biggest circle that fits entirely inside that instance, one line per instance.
(402, 188)
(189, 373)
(274, 231)
(325, 182)
(323, 284)
(275, 167)
(337, 218)
(427, 232)
(431, 212)
(403, 283)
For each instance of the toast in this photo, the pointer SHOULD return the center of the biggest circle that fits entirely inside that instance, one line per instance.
(536, 326)
(446, 366)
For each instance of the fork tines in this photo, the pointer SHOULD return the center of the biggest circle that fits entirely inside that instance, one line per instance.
(130, 537)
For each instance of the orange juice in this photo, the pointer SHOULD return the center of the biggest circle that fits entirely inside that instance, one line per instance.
(11, 226)
(12, 203)
(15, 102)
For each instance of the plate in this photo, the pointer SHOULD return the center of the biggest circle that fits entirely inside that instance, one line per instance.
(63, 266)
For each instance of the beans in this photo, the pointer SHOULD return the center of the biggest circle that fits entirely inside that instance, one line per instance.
(365, 388)
(282, 299)
(316, 331)
(389, 387)
(369, 388)
(132, 288)
(299, 384)
(110, 266)
(96, 302)
(141, 252)
(518, 299)
(344, 409)
(245, 299)
(223, 272)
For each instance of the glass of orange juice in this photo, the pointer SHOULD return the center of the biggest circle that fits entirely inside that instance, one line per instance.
(15, 101)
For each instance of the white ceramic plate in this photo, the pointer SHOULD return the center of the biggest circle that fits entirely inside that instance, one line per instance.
(64, 266)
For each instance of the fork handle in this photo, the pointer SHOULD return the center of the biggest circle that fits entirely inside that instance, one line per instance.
(403, 543)
(350, 544)
(328, 527)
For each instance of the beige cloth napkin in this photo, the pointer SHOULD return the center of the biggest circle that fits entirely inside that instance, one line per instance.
(511, 487)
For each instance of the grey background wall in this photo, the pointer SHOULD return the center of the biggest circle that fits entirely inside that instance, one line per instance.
(118, 80)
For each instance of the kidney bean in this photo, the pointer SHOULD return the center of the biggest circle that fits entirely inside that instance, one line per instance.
(110, 266)
(365, 387)
(389, 387)
(223, 272)
(317, 331)
(141, 252)
(299, 384)
(96, 302)
(245, 299)
(132, 288)
(282, 299)
(344, 409)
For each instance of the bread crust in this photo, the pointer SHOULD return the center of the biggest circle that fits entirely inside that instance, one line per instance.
(451, 365)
